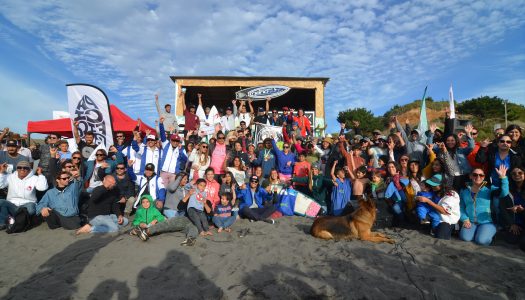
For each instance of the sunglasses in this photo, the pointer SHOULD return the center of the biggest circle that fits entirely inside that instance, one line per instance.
(23, 168)
(75, 157)
(254, 181)
(474, 133)
(220, 138)
(53, 138)
(286, 147)
(120, 136)
(150, 140)
(404, 159)
(204, 147)
(100, 154)
(505, 142)
(519, 173)
(64, 178)
(121, 168)
(478, 175)
(68, 166)
(175, 141)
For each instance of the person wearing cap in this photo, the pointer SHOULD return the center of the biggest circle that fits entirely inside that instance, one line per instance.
(228, 120)
(191, 120)
(151, 184)
(375, 136)
(447, 206)
(21, 189)
(170, 120)
(325, 150)
(149, 153)
(256, 201)
(59, 206)
(11, 157)
(104, 213)
(173, 157)
(415, 148)
(266, 158)
(262, 113)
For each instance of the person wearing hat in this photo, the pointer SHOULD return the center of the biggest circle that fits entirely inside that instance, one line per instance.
(21, 189)
(262, 113)
(170, 120)
(447, 207)
(375, 136)
(415, 148)
(256, 201)
(11, 157)
(378, 150)
(173, 157)
(149, 153)
(325, 150)
(191, 120)
(228, 120)
(151, 184)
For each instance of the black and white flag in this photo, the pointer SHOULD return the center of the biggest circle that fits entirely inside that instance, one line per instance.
(89, 105)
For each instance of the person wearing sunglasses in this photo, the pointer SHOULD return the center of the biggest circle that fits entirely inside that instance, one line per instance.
(21, 190)
(256, 201)
(125, 179)
(147, 154)
(98, 168)
(502, 154)
(59, 206)
(173, 157)
(475, 206)
(11, 157)
(512, 208)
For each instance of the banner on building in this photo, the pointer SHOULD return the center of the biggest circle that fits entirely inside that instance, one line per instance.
(89, 106)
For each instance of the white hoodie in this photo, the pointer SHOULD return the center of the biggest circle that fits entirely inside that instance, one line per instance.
(22, 191)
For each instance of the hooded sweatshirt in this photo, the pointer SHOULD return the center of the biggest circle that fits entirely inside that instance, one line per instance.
(147, 215)
(22, 191)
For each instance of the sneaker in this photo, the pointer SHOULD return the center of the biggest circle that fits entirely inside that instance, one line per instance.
(269, 221)
(188, 242)
(424, 222)
(143, 235)
(134, 232)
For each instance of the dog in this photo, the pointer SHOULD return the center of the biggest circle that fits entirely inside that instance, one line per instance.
(357, 225)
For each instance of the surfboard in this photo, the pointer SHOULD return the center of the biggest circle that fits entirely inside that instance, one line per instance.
(213, 118)
(262, 92)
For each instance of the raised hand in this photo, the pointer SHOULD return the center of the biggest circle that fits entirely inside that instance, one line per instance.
(430, 147)
(161, 120)
(3, 168)
(199, 95)
(442, 147)
(157, 97)
(502, 171)
(356, 123)
(469, 128)
(433, 127)
(148, 131)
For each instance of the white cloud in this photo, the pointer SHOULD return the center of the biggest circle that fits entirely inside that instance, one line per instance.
(373, 53)
(513, 90)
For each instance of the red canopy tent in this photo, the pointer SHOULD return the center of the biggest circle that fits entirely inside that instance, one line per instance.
(121, 122)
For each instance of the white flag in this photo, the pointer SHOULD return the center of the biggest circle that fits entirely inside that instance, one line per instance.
(451, 103)
(89, 106)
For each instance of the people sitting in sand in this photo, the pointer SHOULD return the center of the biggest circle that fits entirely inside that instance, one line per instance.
(197, 203)
(151, 184)
(512, 208)
(147, 215)
(475, 201)
(256, 201)
(425, 213)
(103, 211)
(125, 183)
(59, 206)
(222, 214)
(447, 207)
(175, 193)
(21, 190)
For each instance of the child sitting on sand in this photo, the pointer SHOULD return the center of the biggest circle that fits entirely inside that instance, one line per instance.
(196, 204)
(222, 216)
(147, 215)
(377, 185)
(424, 210)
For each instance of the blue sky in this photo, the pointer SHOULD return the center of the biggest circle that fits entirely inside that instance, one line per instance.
(376, 53)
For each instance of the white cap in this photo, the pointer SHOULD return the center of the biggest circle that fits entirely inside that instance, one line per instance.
(150, 137)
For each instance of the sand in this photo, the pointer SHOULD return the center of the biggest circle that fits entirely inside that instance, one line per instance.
(280, 261)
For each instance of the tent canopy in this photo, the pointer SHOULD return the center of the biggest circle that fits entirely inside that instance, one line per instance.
(121, 122)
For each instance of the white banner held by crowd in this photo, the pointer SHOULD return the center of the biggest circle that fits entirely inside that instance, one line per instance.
(263, 131)
(89, 106)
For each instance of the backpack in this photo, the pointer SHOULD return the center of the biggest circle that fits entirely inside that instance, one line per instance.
(22, 222)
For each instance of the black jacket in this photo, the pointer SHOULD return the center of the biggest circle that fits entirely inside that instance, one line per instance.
(103, 202)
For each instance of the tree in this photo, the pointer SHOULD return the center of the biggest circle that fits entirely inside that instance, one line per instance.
(368, 122)
(483, 108)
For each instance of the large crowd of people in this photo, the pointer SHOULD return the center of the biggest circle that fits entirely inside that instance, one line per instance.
(202, 182)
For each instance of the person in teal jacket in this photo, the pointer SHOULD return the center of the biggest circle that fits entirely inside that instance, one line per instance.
(475, 208)
(147, 215)
(318, 185)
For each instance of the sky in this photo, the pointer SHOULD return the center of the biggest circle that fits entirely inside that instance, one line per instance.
(376, 53)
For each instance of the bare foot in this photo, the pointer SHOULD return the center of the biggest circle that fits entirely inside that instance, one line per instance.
(203, 233)
(84, 229)
(209, 233)
(228, 229)
(220, 229)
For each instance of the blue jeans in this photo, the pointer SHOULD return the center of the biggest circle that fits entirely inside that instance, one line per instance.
(172, 213)
(7, 208)
(423, 209)
(482, 234)
(106, 223)
(224, 222)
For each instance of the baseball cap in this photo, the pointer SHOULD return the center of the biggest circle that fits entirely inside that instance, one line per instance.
(285, 108)
(358, 137)
(254, 179)
(151, 137)
(295, 124)
(260, 109)
(434, 180)
(150, 167)
(377, 131)
(11, 143)
(23, 163)
(228, 108)
(175, 137)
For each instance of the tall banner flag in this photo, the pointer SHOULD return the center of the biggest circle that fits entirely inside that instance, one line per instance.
(89, 106)
(423, 123)
(452, 108)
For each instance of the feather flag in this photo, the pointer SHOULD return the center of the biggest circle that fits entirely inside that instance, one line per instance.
(452, 109)
(423, 123)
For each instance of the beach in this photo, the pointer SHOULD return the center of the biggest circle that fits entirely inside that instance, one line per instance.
(280, 261)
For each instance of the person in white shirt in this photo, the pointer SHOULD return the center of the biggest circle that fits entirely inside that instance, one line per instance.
(228, 120)
(22, 186)
(243, 115)
(173, 159)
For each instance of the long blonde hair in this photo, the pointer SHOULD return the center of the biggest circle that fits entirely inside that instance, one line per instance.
(204, 157)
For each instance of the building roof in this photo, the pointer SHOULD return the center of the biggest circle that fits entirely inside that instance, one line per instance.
(322, 79)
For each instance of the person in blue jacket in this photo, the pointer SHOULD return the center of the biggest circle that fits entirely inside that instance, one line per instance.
(341, 191)
(285, 160)
(59, 206)
(475, 202)
(266, 158)
(255, 202)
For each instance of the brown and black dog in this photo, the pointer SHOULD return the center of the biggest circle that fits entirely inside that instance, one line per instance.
(355, 225)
